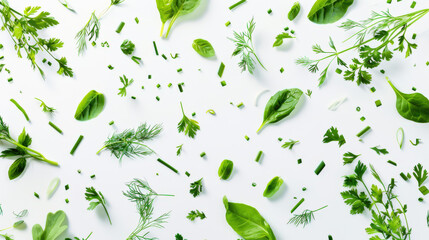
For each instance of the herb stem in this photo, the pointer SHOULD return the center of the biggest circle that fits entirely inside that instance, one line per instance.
(20, 108)
(36, 154)
(167, 165)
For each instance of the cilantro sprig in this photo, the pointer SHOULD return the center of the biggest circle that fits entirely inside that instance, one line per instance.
(96, 198)
(188, 126)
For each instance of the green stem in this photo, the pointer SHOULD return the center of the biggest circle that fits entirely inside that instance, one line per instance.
(107, 213)
(162, 29)
(36, 154)
(173, 20)
(260, 128)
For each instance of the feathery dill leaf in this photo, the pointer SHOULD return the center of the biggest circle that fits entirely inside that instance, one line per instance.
(304, 218)
(143, 195)
(244, 47)
(96, 198)
(129, 143)
(189, 126)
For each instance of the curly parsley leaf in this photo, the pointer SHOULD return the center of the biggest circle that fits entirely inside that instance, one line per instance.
(126, 83)
(290, 144)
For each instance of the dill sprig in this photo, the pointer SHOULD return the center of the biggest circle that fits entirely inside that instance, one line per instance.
(24, 29)
(143, 195)
(129, 143)
(305, 217)
(244, 46)
(91, 30)
(381, 30)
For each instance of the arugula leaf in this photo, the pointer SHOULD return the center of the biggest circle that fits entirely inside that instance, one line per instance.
(290, 144)
(188, 126)
(126, 83)
(380, 150)
(196, 187)
(96, 198)
(349, 157)
(54, 227)
(192, 215)
(420, 174)
(332, 135)
(280, 38)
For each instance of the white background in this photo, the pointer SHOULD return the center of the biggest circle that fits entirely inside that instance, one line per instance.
(221, 136)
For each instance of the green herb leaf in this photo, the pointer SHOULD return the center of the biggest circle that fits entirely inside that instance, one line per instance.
(196, 187)
(358, 201)
(192, 215)
(17, 168)
(420, 174)
(55, 226)
(126, 83)
(203, 47)
(280, 38)
(294, 11)
(328, 11)
(225, 169)
(273, 186)
(188, 126)
(290, 144)
(247, 221)
(127, 47)
(349, 157)
(281, 105)
(96, 198)
(180, 8)
(90, 106)
(380, 150)
(333, 135)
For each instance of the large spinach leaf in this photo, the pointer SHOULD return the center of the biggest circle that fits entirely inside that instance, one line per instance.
(414, 106)
(90, 106)
(281, 105)
(55, 226)
(247, 221)
(165, 11)
(328, 11)
(181, 7)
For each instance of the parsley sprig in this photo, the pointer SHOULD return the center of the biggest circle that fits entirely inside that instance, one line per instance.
(196, 187)
(96, 198)
(24, 29)
(126, 83)
(333, 135)
(420, 174)
(188, 126)
(194, 214)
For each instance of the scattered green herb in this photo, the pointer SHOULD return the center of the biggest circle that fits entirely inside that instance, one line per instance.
(290, 144)
(273, 187)
(92, 194)
(20, 109)
(305, 217)
(188, 126)
(380, 150)
(328, 11)
(294, 11)
(127, 47)
(192, 215)
(196, 187)
(45, 108)
(203, 47)
(225, 169)
(333, 135)
(126, 83)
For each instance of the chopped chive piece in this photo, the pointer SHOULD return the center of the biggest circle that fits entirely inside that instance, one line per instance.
(389, 1)
(362, 118)
(156, 49)
(247, 138)
(119, 29)
(424, 190)
(180, 87)
(170, 84)
(403, 176)
(79, 171)
(392, 162)
(320, 168)
(240, 105)
(330, 237)
(43, 61)
(137, 20)
(414, 36)
(378, 103)
(158, 85)
(269, 11)
(67, 187)
(157, 98)
(110, 67)
(292, 31)
(193, 114)
(286, 28)
(253, 184)
(237, 4)
(223, 83)
(221, 69)
(297, 205)
(76, 144)
(365, 130)
(133, 97)
(187, 174)
(382, 71)
(304, 189)
(10, 79)
(136, 59)
(282, 70)
(111, 122)
(36, 195)
(20, 108)
(372, 89)
(211, 111)
(299, 161)
(55, 127)
(92, 176)
(339, 71)
(409, 175)
(163, 56)
(179, 70)
(227, 23)
(400, 137)
(67, 200)
(258, 157)
(202, 154)
(413, 5)
(280, 139)
(142, 87)
(167, 165)
(420, 199)
(414, 89)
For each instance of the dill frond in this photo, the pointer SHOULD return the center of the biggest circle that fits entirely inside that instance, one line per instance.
(304, 218)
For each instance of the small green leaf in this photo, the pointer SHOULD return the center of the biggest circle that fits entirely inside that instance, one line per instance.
(328, 11)
(90, 106)
(280, 37)
(294, 11)
(17, 168)
(225, 169)
(273, 186)
(203, 47)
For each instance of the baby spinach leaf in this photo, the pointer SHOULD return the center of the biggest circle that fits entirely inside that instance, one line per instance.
(247, 221)
(328, 11)
(55, 226)
(281, 105)
(273, 186)
(182, 7)
(90, 106)
(203, 47)
(414, 106)
(225, 169)
(294, 11)
(165, 11)
(17, 168)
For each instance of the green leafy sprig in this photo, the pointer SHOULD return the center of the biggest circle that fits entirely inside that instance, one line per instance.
(126, 83)
(304, 218)
(188, 126)
(96, 198)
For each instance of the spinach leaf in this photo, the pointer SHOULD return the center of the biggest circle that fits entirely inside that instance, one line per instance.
(90, 106)
(414, 106)
(17, 168)
(225, 169)
(55, 226)
(247, 221)
(182, 7)
(273, 186)
(280, 105)
(165, 11)
(294, 11)
(328, 11)
(203, 47)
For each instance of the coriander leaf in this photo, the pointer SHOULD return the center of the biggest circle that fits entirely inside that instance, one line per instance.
(349, 157)
(360, 170)
(332, 135)
(380, 150)
(192, 215)
(188, 126)
(290, 144)
(350, 181)
(358, 201)
(196, 187)
(420, 174)
(126, 83)
(96, 198)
